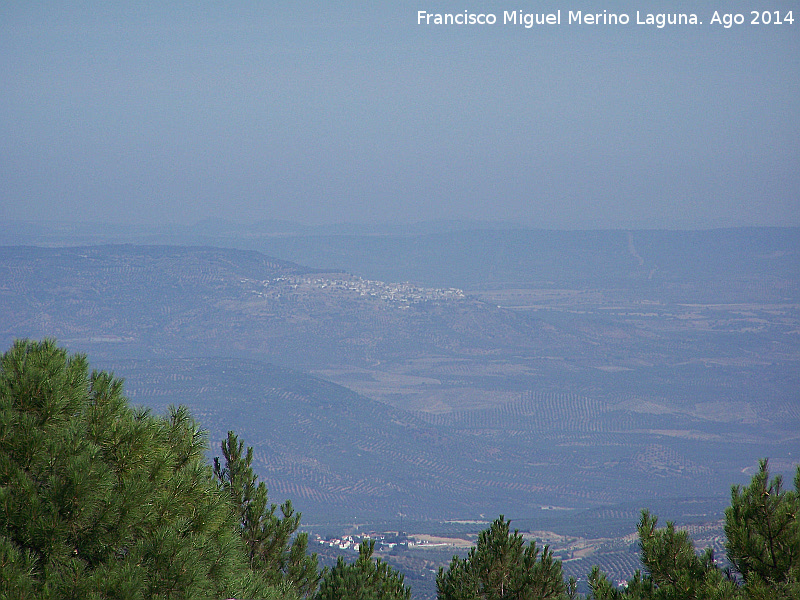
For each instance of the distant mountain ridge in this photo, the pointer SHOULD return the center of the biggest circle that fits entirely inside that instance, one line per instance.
(472, 255)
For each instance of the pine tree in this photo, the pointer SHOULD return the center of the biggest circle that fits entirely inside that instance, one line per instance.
(674, 569)
(501, 566)
(363, 580)
(763, 532)
(273, 545)
(98, 500)
(763, 545)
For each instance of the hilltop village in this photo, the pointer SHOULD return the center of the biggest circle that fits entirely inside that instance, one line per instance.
(402, 294)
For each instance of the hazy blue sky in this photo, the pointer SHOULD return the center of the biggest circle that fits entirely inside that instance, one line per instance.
(349, 111)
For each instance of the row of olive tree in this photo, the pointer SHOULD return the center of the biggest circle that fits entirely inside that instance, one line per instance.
(763, 547)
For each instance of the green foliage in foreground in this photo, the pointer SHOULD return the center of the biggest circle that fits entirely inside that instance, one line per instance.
(272, 543)
(763, 545)
(502, 566)
(363, 580)
(763, 531)
(98, 500)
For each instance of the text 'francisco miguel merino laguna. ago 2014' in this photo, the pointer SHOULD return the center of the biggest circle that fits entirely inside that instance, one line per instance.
(570, 17)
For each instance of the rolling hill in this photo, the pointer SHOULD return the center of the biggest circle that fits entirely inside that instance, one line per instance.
(365, 399)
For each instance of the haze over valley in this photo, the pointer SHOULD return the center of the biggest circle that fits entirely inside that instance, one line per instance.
(572, 369)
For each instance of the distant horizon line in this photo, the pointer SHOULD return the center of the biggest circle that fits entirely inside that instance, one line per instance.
(277, 227)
